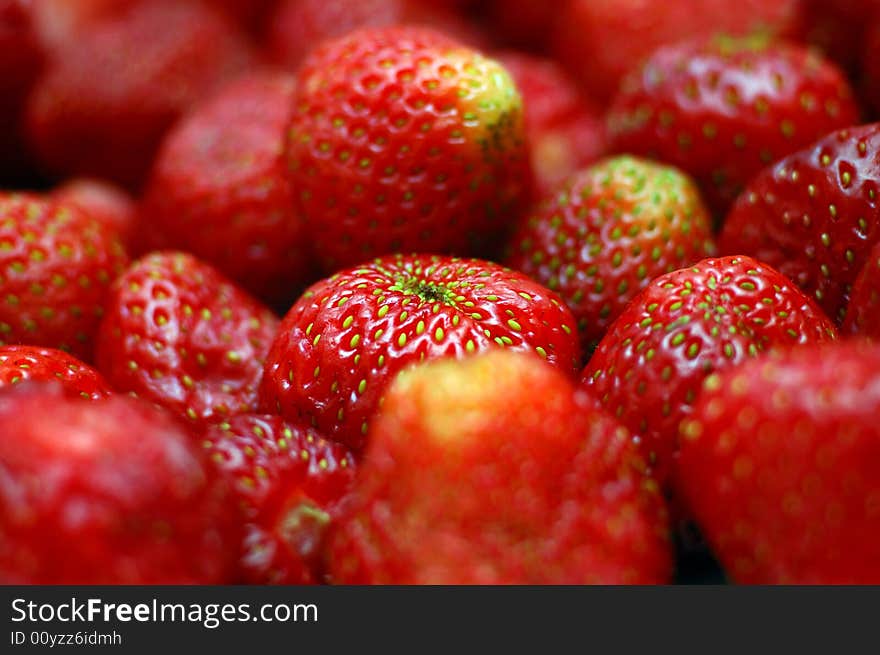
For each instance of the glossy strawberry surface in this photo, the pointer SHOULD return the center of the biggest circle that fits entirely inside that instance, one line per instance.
(178, 333)
(649, 367)
(345, 339)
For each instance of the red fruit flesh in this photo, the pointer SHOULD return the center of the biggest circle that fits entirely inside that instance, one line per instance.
(863, 312)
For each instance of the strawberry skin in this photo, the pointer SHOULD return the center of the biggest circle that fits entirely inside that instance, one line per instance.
(56, 266)
(219, 188)
(648, 368)
(102, 107)
(565, 131)
(607, 232)
(813, 215)
(345, 339)
(404, 140)
(298, 26)
(107, 492)
(178, 333)
(779, 465)
(496, 470)
(863, 313)
(722, 109)
(21, 363)
(103, 201)
(288, 481)
(601, 40)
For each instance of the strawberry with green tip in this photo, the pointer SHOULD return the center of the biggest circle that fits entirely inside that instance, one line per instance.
(404, 140)
(346, 338)
(496, 470)
(779, 465)
(722, 109)
(31, 363)
(178, 333)
(814, 215)
(288, 481)
(607, 232)
(648, 368)
(56, 267)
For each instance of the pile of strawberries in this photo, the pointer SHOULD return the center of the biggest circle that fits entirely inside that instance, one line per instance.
(461, 292)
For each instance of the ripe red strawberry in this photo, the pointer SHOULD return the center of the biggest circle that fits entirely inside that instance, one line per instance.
(21, 363)
(601, 40)
(871, 68)
(565, 131)
(404, 140)
(345, 339)
(219, 188)
(104, 202)
(607, 232)
(178, 333)
(779, 466)
(102, 108)
(813, 215)
(56, 265)
(21, 59)
(863, 313)
(722, 109)
(288, 481)
(108, 492)
(683, 326)
(495, 470)
(298, 26)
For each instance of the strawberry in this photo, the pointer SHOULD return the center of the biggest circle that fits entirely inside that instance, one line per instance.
(107, 492)
(813, 215)
(863, 313)
(648, 368)
(21, 60)
(56, 266)
(870, 65)
(288, 481)
(344, 340)
(219, 188)
(178, 333)
(607, 232)
(21, 363)
(403, 140)
(298, 26)
(103, 201)
(565, 131)
(722, 109)
(496, 470)
(601, 40)
(779, 465)
(102, 108)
